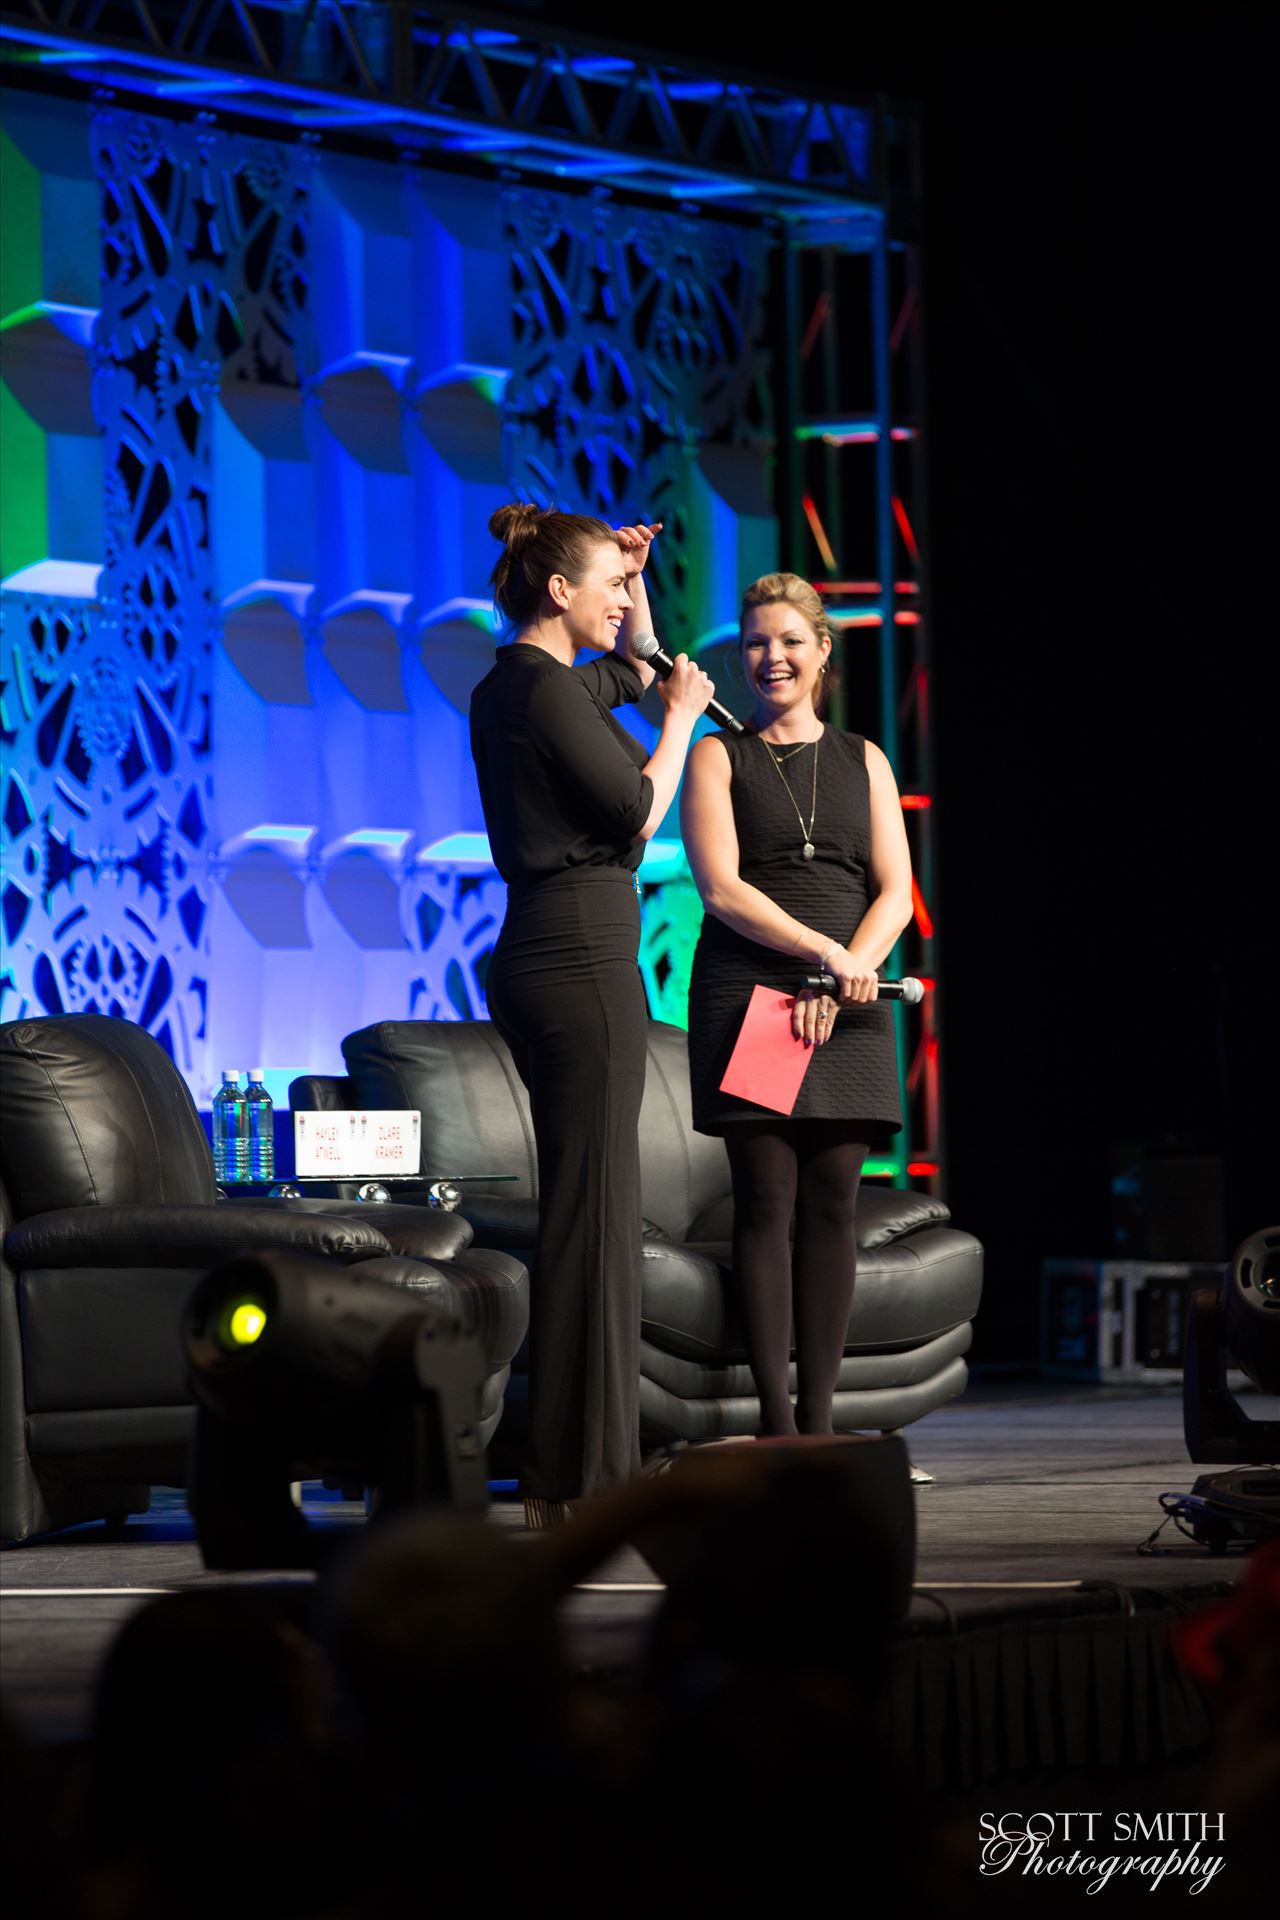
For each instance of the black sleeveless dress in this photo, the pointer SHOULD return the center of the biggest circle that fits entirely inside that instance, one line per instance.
(853, 1076)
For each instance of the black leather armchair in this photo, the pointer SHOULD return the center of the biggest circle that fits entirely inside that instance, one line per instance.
(919, 1278)
(109, 1213)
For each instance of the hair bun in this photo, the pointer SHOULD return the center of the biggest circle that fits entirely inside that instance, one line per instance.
(515, 524)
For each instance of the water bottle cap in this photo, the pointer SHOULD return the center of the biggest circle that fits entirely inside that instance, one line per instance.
(231, 1076)
(256, 1073)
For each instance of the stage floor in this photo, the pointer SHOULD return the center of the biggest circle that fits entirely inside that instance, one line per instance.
(1039, 1488)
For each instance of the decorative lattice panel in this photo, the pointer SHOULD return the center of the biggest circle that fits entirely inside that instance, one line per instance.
(639, 391)
(638, 388)
(260, 403)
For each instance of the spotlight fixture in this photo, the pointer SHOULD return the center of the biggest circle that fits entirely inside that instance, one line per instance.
(299, 1367)
(1241, 1322)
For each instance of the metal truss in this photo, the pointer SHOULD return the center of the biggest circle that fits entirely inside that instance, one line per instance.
(851, 450)
(456, 80)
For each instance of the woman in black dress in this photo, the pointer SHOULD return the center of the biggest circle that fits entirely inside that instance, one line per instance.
(795, 836)
(569, 799)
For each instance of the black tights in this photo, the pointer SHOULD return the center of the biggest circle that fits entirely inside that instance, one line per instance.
(808, 1169)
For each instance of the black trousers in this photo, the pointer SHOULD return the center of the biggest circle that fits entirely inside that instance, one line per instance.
(565, 993)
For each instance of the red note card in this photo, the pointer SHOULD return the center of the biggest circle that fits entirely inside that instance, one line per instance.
(768, 1063)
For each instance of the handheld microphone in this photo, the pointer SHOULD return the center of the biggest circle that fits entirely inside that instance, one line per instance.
(908, 989)
(644, 646)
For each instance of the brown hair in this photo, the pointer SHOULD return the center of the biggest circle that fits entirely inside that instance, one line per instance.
(773, 587)
(537, 542)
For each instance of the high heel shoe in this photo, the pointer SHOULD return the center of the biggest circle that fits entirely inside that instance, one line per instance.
(541, 1514)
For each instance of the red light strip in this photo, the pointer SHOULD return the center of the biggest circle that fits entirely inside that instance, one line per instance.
(910, 692)
(859, 436)
(906, 619)
(922, 1166)
(923, 920)
(915, 802)
(863, 586)
(818, 531)
(903, 320)
(822, 307)
(904, 528)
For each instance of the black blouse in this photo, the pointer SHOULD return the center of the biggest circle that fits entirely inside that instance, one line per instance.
(560, 780)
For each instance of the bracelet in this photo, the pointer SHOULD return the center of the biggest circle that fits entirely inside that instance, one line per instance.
(831, 947)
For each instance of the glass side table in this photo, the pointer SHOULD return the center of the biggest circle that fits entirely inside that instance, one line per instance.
(442, 1190)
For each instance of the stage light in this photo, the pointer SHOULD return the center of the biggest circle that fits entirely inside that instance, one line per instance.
(300, 1368)
(1251, 1310)
(1240, 1323)
(242, 1323)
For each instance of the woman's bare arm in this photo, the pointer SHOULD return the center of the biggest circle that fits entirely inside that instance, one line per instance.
(635, 542)
(711, 842)
(890, 866)
(684, 694)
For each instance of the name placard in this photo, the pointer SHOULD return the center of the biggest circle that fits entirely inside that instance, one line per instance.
(358, 1143)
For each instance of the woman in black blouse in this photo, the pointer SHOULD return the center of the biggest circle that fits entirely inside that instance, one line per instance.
(569, 799)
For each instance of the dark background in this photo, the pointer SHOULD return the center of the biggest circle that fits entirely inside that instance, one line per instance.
(1099, 346)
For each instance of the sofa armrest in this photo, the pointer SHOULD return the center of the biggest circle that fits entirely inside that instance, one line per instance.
(181, 1236)
(416, 1232)
(500, 1219)
(884, 1214)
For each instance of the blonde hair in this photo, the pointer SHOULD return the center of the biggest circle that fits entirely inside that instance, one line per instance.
(537, 542)
(771, 588)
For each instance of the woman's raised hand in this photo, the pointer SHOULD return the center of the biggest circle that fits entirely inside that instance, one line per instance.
(637, 540)
(686, 689)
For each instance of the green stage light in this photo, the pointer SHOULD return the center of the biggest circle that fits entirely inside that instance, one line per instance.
(300, 1368)
(241, 1322)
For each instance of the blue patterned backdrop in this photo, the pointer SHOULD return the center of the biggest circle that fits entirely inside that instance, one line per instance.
(259, 404)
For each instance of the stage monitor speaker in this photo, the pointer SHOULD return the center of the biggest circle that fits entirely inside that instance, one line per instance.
(814, 1537)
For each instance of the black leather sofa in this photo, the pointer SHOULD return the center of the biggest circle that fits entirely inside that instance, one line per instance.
(109, 1213)
(919, 1278)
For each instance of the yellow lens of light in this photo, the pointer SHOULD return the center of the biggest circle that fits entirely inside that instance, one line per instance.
(245, 1322)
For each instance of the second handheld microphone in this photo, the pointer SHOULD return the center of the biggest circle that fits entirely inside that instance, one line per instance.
(644, 646)
(908, 988)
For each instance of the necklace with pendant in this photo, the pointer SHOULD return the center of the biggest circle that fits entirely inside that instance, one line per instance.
(807, 851)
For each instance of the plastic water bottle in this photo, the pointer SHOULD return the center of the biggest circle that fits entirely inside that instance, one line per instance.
(230, 1130)
(261, 1128)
